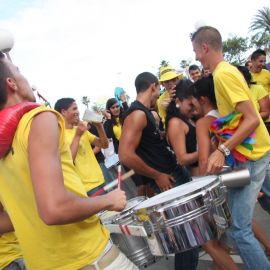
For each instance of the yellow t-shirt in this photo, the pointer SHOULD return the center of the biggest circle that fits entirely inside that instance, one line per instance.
(9, 249)
(230, 89)
(258, 92)
(262, 78)
(117, 129)
(60, 247)
(85, 161)
(161, 108)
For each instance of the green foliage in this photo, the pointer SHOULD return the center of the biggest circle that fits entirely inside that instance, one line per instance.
(184, 64)
(261, 21)
(164, 63)
(260, 40)
(234, 49)
(260, 25)
(96, 107)
(85, 101)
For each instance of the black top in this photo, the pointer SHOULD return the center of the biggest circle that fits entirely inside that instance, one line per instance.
(152, 149)
(99, 156)
(191, 141)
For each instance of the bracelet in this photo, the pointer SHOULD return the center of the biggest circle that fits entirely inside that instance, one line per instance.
(221, 151)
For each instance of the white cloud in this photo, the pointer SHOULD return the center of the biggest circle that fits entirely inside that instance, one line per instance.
(88, 47)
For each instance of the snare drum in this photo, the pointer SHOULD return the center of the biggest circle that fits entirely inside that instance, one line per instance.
(134, 247)
(187, 216)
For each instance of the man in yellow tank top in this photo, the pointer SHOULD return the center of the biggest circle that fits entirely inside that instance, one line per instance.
(233, 95)
(54, 220)
(80, 141)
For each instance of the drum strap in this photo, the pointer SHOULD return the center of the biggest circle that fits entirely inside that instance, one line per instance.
(109, 254)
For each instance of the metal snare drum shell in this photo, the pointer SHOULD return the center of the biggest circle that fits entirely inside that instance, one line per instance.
(134, 247)
(193, 214)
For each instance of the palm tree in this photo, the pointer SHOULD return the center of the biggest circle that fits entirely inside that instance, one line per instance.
(184, 64)
(261, 27)
(261, 21)
(85, 101)
(164, 63)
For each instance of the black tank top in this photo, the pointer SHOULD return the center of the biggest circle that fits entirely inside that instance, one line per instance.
(191, 141)
(153, 150)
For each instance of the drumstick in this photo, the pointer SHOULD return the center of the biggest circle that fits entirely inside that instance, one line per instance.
(113, 184)
(119, 177)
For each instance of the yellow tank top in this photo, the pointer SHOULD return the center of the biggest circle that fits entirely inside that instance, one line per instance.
(60, 247)
(9, 249)
(117, 129)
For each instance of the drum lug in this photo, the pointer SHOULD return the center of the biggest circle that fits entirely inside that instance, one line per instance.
(224, 189)
(148, 227)
(208, 202)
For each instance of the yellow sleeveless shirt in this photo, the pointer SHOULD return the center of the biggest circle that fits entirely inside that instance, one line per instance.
(59, 247)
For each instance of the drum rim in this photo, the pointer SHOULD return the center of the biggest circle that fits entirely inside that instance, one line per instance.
(124, 214)
(215, 182)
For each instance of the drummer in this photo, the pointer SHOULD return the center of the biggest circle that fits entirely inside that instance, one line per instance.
(44, 198)
(143, 149)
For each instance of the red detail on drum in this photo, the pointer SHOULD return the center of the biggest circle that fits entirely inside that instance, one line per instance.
(127, 229)
(124, 229)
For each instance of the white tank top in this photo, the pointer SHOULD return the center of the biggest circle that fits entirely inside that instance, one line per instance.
(213, 113)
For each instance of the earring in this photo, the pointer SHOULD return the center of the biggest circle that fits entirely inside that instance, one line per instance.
(177, 106)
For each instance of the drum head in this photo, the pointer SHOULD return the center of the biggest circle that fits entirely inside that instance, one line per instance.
(177, 192)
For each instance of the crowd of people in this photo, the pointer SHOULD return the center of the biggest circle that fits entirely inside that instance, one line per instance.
(52, 162)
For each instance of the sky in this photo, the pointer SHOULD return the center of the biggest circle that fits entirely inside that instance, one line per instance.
(75, 48)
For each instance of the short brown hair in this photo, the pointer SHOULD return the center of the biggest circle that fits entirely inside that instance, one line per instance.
(5, 72)
(209, 35)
